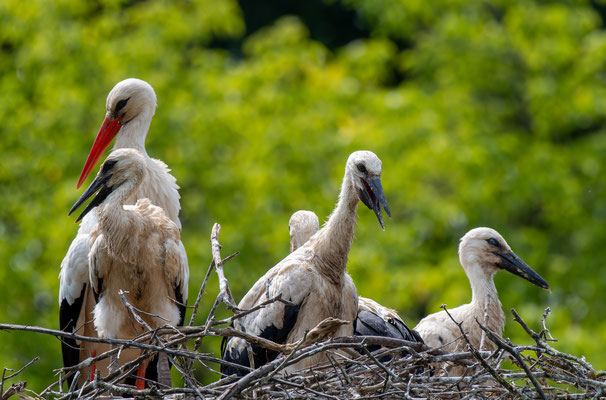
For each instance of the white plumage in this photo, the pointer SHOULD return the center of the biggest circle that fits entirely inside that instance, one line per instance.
(130, 106)
(301, 226)
(313, 277)
(136, 249)
(482, 253)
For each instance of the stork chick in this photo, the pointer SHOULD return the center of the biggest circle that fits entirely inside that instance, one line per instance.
(313, 279)
(372, 319)
(130, 107)
(302, 225)
(482, 253)
(136, 249)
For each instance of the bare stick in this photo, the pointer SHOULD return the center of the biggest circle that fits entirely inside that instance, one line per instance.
(224, 291)
(35, 359)
(545, 331)
(259, 306)
(548, 348)
(203, 287)
(380, 364)
(516, 355)
(486, 317)
(491, 370)
(17, 387)
(14, 389)
(287, 358)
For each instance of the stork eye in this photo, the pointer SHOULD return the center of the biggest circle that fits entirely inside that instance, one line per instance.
(109, 164)
(362, 168)
(493, 242)
(121, 105)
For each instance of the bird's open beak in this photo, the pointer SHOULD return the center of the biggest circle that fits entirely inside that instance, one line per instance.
(108, 131)
(99, 184)
(514, 264)
(372, 195)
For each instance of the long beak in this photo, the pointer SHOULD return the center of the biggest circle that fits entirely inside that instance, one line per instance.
(373, 197)
(514, 264)
(107, 132)
(99, 184)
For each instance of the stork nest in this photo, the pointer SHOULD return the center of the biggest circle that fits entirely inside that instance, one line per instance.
(400, 369)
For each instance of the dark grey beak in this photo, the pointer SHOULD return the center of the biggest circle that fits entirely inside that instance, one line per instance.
(514, 264)
(373, 197)
(99, 184)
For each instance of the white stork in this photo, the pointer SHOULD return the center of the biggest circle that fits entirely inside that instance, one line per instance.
(302, 225)
(136, 249)
(482, 253)
(130, 106)
(372, 319)
(313, 278)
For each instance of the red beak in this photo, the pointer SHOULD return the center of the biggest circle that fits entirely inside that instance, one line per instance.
(108, 131)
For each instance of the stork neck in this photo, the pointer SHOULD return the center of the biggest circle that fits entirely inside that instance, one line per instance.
(334, 242)
(132, 135)
(485, 303)
(114, 204)
(115, 221)
(482, 286)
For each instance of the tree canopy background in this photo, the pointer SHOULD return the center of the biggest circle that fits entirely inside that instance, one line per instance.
(483, 113)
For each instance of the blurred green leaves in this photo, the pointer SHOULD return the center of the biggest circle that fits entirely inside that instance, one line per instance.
(483, 115)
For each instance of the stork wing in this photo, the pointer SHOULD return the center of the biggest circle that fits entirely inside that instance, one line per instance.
(73, 281)
(376, 319)
(274, 322)
(99, 266)
(370, 324)
(177, 274)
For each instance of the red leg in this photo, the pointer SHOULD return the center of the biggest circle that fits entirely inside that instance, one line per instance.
(140, 383)
(93, 367)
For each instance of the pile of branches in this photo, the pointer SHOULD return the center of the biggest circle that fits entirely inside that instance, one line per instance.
(400, 369)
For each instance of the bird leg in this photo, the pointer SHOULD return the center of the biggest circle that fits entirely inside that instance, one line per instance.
(164, 370)
(93, 366)
(140, 382)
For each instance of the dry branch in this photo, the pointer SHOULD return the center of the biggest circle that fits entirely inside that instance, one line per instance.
(542, 372)
(224, 292)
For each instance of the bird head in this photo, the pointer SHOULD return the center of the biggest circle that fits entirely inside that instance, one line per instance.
(129, 99)
(365, 168)
(487, 248)
(123, 169)
(302, 225)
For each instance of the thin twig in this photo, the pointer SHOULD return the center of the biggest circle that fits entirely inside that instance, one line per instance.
(516, 355)
(477, 355)
(224, 291)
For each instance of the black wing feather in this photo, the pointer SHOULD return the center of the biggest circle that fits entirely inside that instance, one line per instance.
(68, 317)
(368, 323)
(261, 355)
(180, 302)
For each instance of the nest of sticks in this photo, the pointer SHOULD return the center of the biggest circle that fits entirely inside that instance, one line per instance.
(400, 369)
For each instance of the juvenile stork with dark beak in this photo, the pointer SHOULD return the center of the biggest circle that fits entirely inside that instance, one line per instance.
(130, 107)
(136, 249)
(313, 278)
(372, 319)
(482, 253)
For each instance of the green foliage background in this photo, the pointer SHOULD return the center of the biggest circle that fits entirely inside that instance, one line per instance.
(483, 113)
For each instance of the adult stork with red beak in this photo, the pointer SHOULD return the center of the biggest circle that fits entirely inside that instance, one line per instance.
(130, 107)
